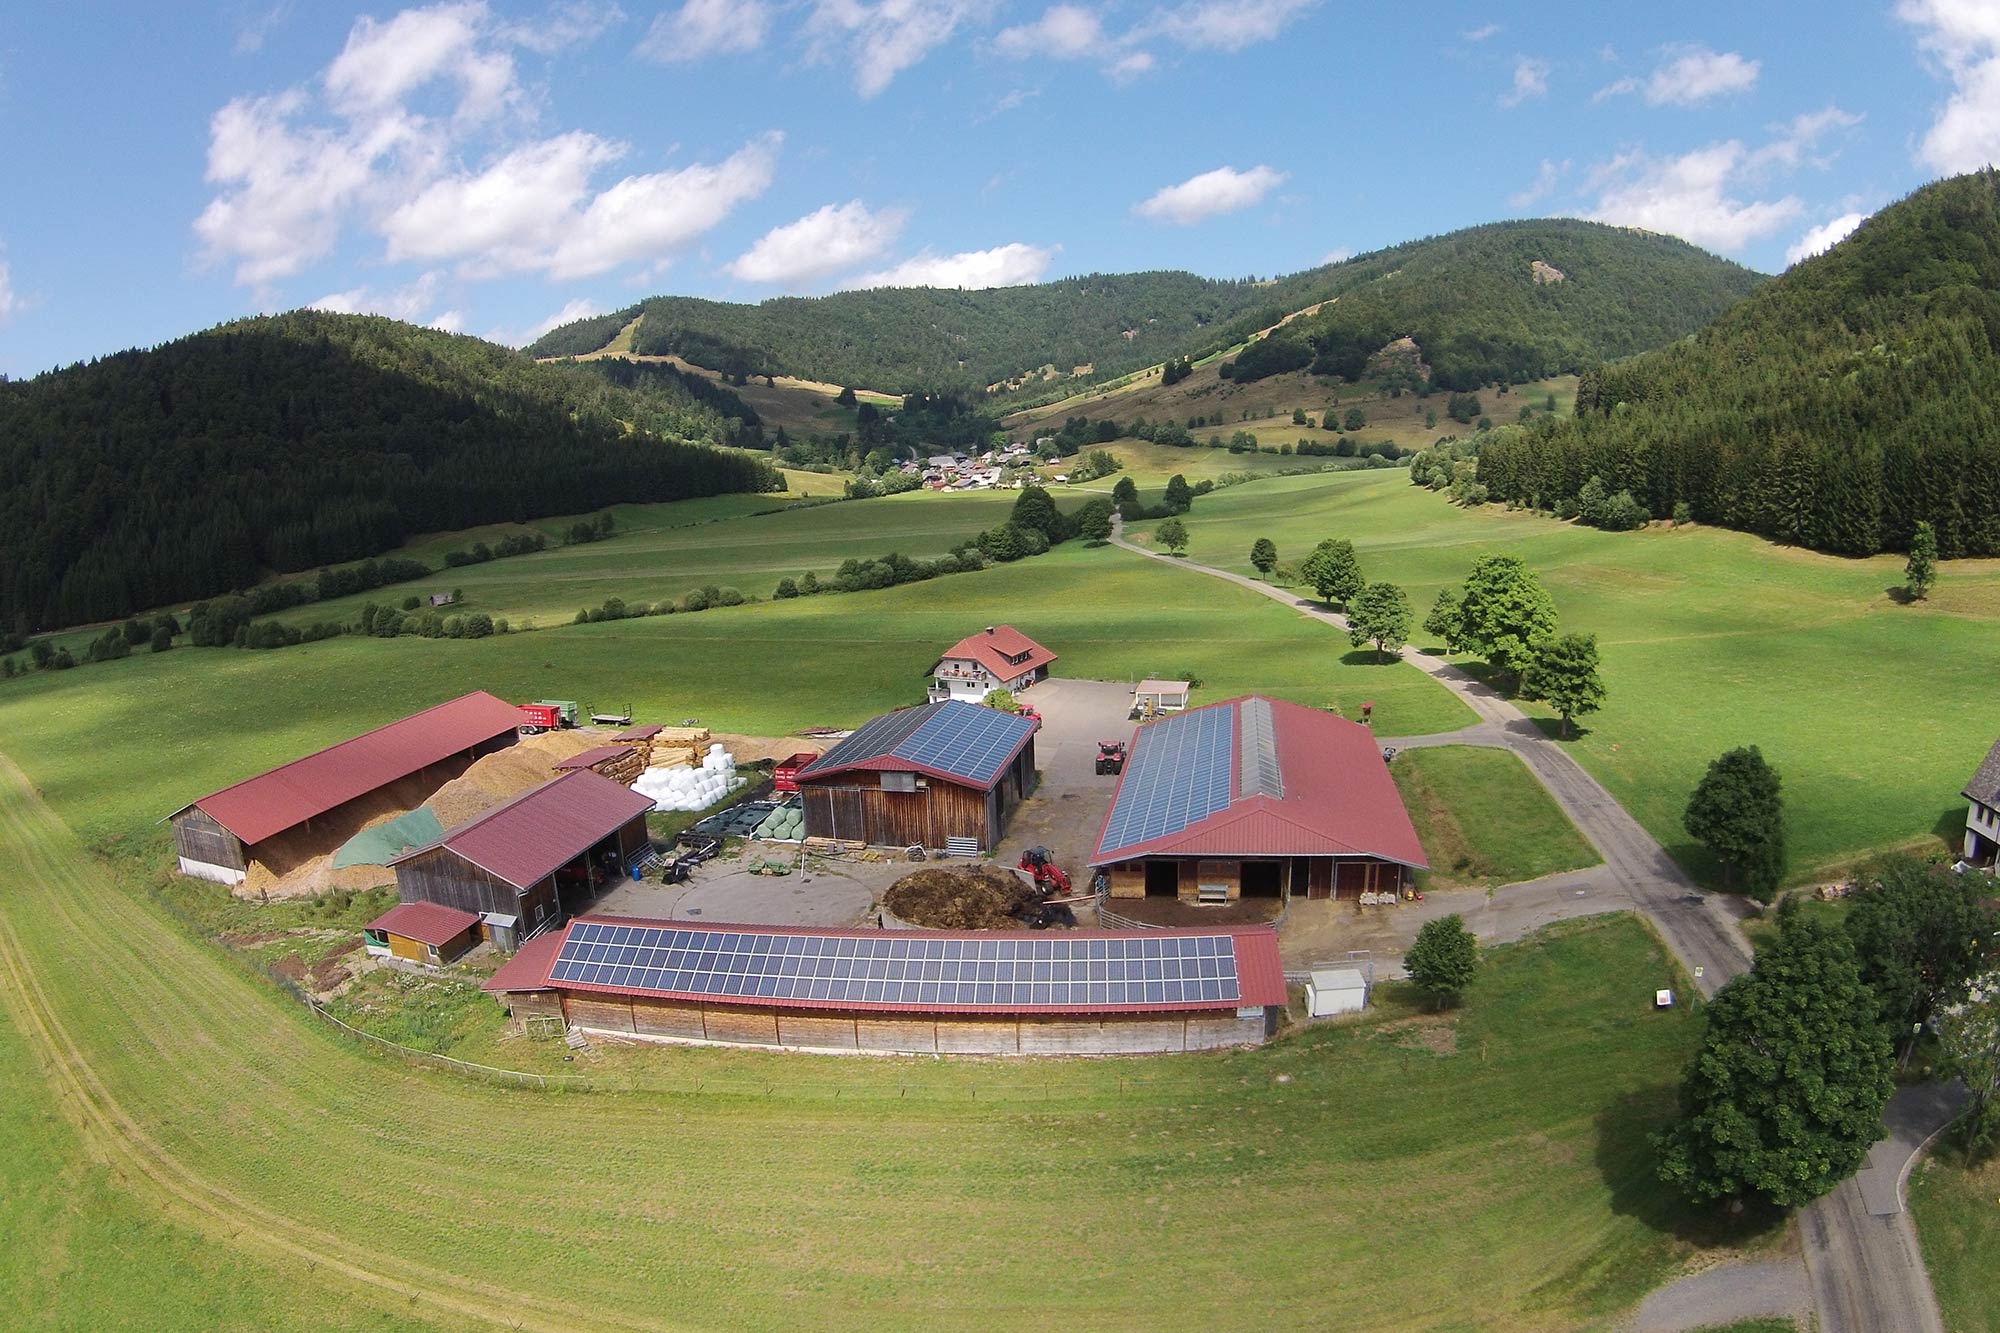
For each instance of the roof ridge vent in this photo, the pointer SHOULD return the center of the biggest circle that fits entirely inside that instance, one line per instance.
(1258, 773)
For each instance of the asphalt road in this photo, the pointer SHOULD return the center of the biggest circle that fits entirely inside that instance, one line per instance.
(1867, 1272)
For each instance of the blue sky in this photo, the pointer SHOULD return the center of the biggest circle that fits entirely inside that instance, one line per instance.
(492, 166)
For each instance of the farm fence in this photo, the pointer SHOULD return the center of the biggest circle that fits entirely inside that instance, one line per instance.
(516, 1077)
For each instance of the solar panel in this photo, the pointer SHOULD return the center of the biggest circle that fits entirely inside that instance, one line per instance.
(966, 739)
(1050, 972)
(1180, 772)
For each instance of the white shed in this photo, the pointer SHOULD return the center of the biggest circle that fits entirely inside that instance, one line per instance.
(1337, 990)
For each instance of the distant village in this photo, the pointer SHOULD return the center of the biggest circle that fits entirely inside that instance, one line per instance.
(995, 469)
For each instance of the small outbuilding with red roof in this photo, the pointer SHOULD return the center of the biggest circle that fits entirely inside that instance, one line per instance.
(1000, 657)
(1256, 797)
(421, 933)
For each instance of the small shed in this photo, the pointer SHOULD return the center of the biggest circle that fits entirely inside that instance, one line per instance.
(421, 933)
(1166, 696)
(1336, 990)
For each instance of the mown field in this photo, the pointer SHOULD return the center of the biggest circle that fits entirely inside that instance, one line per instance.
(1483, 819)
(1504, 1143)
(1957, 1210)
(119, 745)
(1875, 713)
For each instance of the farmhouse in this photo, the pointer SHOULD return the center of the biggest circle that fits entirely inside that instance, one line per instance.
(219, 835)
(1982, 812)
(915, 992)
(942, 775)
(421, 933)
(523, 865)
(1255, 797)
(1000, 658)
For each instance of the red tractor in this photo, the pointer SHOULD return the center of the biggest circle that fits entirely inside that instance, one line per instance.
(1110, 758)
(1049, 877)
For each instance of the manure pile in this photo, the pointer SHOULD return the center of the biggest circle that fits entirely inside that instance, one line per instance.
(978, 897)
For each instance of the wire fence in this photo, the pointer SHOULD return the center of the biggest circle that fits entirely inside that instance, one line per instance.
(513, 1077)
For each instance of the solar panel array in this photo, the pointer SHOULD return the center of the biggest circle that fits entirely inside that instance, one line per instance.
(1257, 751)
(967, 739)
(1057, 972)
(1180, 772)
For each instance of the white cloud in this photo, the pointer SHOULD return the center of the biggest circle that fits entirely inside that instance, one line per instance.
(1544, 184)
(383, 62)
(1531, 80)
(1963, 38)
(651, 217)
(510, 214)
(1798, 136)
(1824, 237)
(10, 301)
(1481, 33)
(1697, 74)
(1617, 88)
(1689, 196)
(1003, 266)
(573, 310)
(1130, 65)
(406, 303)
(1226, 25)
(819, 244)
(450, 321)
(575, 23)
(1340, 254)
(1224, 190)
(703, 28)
(879, 39)
(255, 30)
(1063, 32)
(1070, 31)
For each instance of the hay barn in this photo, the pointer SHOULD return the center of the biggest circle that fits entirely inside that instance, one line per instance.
(1081, 992)
(943, 775)
(533, 859)
(1255, 797)
(217, 836)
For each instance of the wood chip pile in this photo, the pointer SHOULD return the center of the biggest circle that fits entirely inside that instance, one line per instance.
(975, 897)
(505, 774)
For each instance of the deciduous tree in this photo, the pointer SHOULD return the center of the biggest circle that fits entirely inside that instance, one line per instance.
(1443, 958)
(1334, 571)
(1922, 935)
(1737, 813)
(1503, 612)
(1446, 619)
(1178, 498)
(1564, 673)
(1380, 613)
(1173, 535)
(1264, 555)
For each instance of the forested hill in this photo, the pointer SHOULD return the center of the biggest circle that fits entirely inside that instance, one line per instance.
(287, 442)
(1470, 298)
(1846, 401)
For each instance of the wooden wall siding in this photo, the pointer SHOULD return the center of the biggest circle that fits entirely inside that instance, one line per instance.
(199, 838)
(913, 1033)
(746, 1027)
(853, 806)
(599, 1014)
(1128, 879)
(632, 838)
(820, 1033)
(402, 946)
(443, 876)
(972, 1036)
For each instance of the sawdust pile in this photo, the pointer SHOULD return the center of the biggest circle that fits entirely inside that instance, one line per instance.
(978, 897)
(503, 775)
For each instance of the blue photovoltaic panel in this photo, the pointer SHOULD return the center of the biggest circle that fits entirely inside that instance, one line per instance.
(968, 741)
(1181, 771)
(1047, 972)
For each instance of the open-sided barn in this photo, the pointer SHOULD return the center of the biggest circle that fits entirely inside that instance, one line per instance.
(923, 992)
(525, 864)
(944, 775)
(1255, 797)
(216, 837)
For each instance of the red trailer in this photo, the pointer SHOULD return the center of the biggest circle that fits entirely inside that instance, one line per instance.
(537, 718)
(786, 776)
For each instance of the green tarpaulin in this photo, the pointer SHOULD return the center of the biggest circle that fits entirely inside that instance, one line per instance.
(385, 842)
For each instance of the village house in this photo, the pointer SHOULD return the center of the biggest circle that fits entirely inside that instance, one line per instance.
(1982, 812)
(999, 658)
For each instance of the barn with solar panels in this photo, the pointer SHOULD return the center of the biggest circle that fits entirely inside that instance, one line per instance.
(1083, 992)
(945, 776)
(1256, 797)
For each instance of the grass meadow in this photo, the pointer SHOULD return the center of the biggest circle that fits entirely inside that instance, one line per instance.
(1874, 712)
(1503, 1143)
(1957, 1211)
(1483, 819)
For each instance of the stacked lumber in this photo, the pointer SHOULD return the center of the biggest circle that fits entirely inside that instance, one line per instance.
(675, 747)
(625, 767)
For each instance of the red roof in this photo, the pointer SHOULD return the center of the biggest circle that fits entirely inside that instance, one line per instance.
(992, 648)
(527, 839)
(591, 758)
(1311, 784)
(272, 802)
(529, 968)
(1260, 972)
(426, 923)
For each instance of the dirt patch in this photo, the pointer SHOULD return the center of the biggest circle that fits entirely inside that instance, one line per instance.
(756, 749)
(980, 897)
(1174, 912)
(1424, 1032)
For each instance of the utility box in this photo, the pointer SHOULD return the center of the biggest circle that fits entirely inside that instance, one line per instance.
(1337, 990)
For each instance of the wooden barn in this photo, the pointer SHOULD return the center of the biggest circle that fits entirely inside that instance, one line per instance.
(534, 859)
(422, 933)
(217, 836)
(1072, 992)
(1256, 797)
(945, 775)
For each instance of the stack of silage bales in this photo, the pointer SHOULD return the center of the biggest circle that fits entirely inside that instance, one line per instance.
(697, 788)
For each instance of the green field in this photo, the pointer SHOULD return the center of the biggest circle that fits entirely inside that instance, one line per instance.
(1483, 819)
(1957, 1211)
(1875, 713)
(1505, 1143)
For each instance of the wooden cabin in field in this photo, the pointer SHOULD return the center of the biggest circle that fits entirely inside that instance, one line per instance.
(422, 933)
(1071, 992)
(533, 859)
(946, 776)
(217, 836)
(1256, 797)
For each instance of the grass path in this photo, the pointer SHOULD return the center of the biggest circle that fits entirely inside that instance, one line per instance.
(730, 1186)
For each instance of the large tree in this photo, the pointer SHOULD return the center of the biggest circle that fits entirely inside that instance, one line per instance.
(1922, 936)
(1736, 812)
(1503, 611)
(1969, 1047)
(1564, 674)
(1264, 555)
(1785, 1096)
(1334, 571)
(1036, 508)
(1381, 614)
(1093, 521)
(1443, 958)
(1173, 535)
(1179, 496)
(1446, 620)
